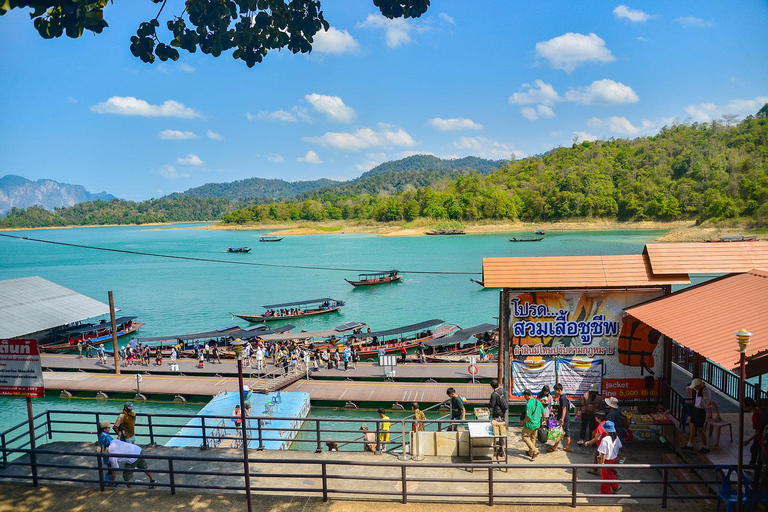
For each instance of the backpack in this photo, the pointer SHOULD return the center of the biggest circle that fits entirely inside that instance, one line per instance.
(504, 403)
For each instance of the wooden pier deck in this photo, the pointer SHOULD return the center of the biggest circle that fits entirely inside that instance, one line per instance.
(228, 367)
(402, 392)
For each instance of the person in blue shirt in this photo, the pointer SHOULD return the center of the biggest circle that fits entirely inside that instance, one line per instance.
(104, 440)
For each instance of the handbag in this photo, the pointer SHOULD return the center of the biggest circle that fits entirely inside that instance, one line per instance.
(542, 434)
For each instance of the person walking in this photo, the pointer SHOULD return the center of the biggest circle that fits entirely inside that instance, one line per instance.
(534, 415)
(758, 424)
(419, 418)
(347, 357)
(79, 349)
(701, 396)
(384, 427)
(591, 403)
(458, 411)
(403, 354)
(498, 405)
(158, 357)
(125, 424)
(615, 415)
(563, 417)
(608, 454)
(597, 436)
(88, 349)
(130, 456)
(216, 354)
(355, 358)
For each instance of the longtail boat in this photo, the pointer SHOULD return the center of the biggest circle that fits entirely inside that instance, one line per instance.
(735, 238)
(271, 238)
(298, 309)
(461, 344)
(408, 336)
(94, 333)
(526, 239)
(539, 232)
(371, 278)
(446, 232)
(239, 249)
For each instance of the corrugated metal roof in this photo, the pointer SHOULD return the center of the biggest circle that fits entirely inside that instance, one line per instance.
(707, 258)
(615, 271)
(33, 304)
(704, 318)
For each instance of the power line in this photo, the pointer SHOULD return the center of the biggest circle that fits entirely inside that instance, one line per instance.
(248, 263)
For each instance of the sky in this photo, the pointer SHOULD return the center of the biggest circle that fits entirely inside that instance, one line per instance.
(497, 80)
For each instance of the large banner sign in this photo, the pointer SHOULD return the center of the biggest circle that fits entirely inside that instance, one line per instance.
(586, 326)
(578, 376)
(20, 371)
(532, 376)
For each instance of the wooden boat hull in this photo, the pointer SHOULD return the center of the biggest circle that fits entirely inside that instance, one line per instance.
(243, 250)
(378, 281)
(271, 239)
(72, 344)
(728, 239)
(255, 319)
(526, 239)
(366, 351)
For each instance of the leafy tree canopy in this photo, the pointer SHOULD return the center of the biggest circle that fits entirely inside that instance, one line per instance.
(250, 28)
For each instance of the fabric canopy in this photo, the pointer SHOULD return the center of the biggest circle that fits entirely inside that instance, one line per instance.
(461, 335)
(400, 330)
(300, 303)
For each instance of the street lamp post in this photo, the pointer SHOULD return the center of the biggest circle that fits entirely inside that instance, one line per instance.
(743, 337)
(238, 346)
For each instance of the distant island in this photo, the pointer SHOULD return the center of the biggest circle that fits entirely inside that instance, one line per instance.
(700, 172)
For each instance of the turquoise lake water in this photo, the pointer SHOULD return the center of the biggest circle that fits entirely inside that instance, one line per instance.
(175, 297)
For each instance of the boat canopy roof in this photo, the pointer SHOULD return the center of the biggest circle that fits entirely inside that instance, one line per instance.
(249, 333)
(224, 331)
(400, 330)
(308, 335)
(461, 335)
(100, 326)
(300, 303)
(382, 273)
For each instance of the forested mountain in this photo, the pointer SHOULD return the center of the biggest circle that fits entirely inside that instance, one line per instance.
(433, 163)
(700, 171)
(19, 192)
(259, 189)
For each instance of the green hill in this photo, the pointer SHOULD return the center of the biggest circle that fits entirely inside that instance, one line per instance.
(259, 189)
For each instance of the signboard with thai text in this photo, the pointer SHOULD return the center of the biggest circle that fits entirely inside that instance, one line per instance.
(583, 327)
(20, 371)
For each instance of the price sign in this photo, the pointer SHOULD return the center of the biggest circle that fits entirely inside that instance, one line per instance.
(20, 371)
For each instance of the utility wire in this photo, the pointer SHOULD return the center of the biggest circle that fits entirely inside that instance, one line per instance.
(249, 263)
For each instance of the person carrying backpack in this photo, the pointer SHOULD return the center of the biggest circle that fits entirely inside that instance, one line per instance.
(499, 405)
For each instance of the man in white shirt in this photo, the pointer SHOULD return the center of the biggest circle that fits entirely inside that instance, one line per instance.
(259, 358)
(130, 456)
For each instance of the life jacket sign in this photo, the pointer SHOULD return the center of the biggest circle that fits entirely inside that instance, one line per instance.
(637, 343)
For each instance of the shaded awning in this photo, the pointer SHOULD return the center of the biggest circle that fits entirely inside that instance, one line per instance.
(703, 318)
(462, 335)
(308, 335)
(400, 330)
(260, 332)
(33, 304)
(224, 331)
(300, 303)
(558, 272)
(100, 326)
(707, 258)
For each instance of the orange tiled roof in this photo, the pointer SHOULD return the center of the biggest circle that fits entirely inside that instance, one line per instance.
(707, 258)
(704, 318)
(618, 271)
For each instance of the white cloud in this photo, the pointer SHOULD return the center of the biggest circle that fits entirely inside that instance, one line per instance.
(277, 115)
(176, 135)
(454, 124)
(130, 106)
(170, 172)
(335, 42)
(705, 112)
(398, 31)
(214, 135)
(486, 148)
(372, 160)
(191, 159)
(310, 158)
(275, 158)
(70, 99)
(332, 107)
(584, 136)
(446, 18)
(539, 92)
(364, 138)
(633, 15)
(620, 125)
(186, 67)
(602, 92)
(540, 112)
(571, 50)
(692, 21)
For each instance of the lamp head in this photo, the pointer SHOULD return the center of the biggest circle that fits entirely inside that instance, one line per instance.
(742, 335)
(238, 346)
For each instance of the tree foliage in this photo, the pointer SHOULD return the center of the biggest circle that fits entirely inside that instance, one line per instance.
(247, 28)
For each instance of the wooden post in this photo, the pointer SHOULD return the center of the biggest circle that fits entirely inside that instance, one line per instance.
(506, 352)
(115, 348)
(500, 372)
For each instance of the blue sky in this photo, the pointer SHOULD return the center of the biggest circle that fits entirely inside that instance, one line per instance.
(495, 80)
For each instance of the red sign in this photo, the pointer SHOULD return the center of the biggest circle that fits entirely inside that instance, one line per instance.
(20, 371)
(629, 388)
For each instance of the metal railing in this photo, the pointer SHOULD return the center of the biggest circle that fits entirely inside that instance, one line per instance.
(715, 375)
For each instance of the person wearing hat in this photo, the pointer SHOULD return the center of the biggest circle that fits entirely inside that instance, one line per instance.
(591, 403)
(130, 456)
(700, 398)
(125, 424)
(614, 415)
(608, 454)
